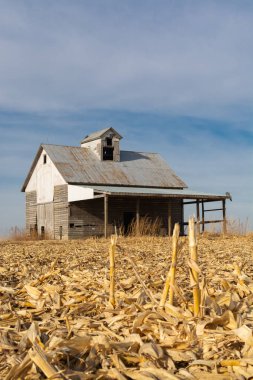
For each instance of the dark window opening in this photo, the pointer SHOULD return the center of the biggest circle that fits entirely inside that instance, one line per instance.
(107, 154)
(60, 232)
(42, 231)
(44, 159)
(128, 219)
(108, 141)
(71, 225)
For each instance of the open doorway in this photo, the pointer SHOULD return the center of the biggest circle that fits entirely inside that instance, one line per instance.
(129, 217)
(42, 232)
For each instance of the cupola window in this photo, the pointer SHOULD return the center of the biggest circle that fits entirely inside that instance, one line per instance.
(109, 141)
(107, 153)
(104, 143)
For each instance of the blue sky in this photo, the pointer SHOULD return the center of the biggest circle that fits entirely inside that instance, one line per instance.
(173, 77)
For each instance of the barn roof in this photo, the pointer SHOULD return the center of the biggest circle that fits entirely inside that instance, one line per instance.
(81, 166)
(98, 134)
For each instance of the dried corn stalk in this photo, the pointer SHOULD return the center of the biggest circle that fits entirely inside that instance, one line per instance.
(170, 280)
(194, 276)
(57, 323)
(112, 270)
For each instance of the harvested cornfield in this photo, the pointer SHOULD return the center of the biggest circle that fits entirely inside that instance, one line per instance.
(56, 320)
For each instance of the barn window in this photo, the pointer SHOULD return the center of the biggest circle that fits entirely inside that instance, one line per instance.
(108, 154)
(44, 159)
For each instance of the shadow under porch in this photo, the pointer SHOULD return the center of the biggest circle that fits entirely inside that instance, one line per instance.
(105, 214)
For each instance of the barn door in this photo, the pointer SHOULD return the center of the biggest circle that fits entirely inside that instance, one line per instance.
(45, 219)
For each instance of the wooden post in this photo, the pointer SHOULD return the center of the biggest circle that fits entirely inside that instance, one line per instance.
(169, 219)
(198, 220)
(203, 217)
(224, 216)
(105, 215)
(137, 216)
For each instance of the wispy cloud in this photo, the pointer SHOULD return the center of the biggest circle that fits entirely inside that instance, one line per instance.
(182, 57)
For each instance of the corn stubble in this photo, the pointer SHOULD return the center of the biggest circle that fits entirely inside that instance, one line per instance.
(153, 308)
(170, 280)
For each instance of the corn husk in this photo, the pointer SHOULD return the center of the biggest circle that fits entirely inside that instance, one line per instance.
(55, 320)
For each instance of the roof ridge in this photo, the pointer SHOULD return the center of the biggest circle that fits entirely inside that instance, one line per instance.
(79, 147)
(67, 146)
(98, 134)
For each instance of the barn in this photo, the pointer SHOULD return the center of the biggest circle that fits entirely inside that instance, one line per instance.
(90, 190)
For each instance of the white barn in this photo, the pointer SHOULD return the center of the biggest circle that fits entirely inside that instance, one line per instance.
(74, 192)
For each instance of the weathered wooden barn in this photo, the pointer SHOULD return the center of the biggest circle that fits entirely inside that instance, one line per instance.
(74, 192)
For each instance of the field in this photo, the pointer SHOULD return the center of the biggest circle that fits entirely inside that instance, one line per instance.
(56, 321)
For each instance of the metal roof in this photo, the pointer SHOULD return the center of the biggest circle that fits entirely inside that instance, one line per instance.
(98, 134)
(81, 166)
(170, 193)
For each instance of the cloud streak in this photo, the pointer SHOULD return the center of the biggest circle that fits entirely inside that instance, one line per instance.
(192, 58)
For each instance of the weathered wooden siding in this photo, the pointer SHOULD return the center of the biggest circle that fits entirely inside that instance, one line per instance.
(153, 208)
(31, 211)
(45, 219)
(61, 212)
(87, 217)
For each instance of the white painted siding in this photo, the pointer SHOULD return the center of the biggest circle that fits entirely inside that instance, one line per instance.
(79, 193)
(44, 178)
(94, 146)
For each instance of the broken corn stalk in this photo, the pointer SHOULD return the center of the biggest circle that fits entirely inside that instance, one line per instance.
(174, 262)
(231, 363)
(38, 356)
(194, 277)
(170, 280)
(112, 270)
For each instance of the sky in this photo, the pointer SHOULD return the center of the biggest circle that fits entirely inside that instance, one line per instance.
(173, 77)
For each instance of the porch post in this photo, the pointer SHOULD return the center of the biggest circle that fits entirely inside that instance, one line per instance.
(224, 216)
(169, 219)
(198, 220)
(203, 217)
(105, 215)
(138, 216)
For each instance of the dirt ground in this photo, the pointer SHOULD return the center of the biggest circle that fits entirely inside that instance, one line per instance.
(56, 321)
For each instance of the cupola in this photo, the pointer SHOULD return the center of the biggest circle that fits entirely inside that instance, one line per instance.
(104, 143)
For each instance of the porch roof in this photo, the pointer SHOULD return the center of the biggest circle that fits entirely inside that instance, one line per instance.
(157, 192)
